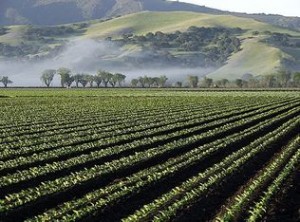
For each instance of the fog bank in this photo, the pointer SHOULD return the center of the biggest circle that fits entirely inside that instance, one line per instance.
(88, 56)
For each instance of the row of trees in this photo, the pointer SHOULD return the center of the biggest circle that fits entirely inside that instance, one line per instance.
(283, 79)
(146, 81)
(101, 78)
(67, 79)
(5, 81)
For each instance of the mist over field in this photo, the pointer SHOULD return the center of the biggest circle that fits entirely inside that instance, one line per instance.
(88, 56)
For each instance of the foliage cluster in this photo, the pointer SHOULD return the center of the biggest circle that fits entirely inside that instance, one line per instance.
(215, 44)
(3, 30)
(5, 81)
(282, 79)
(67, 79)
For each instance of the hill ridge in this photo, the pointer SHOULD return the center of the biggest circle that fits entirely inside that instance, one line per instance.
(53, 12)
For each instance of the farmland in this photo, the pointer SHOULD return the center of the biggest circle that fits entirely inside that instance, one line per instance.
(149, 155)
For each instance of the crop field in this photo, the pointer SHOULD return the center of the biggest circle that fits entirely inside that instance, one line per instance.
(156, 155)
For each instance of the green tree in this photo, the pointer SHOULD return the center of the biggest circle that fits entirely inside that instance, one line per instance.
(77, 79)
(65, 75)
(134, 82)
(296, 79)
(224, 82)
(5, 81)
(284, 76)
(152, 81)
(155, 81)
(98, 80)
(148, 81)
(268, 81)
(113, 80)
(193, 81)
(105, 76)
(143, 81)
(207, 82)
(69, 81)
(162, 81)
(83, 80)
(47, 76)
(120, 78)
(253, 83)
(239, 83)
(90, 79)
(178, 84)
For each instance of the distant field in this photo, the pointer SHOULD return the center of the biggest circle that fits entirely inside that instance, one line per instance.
(149, 155)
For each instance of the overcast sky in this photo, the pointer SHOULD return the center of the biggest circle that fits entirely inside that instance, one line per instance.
(283, 7)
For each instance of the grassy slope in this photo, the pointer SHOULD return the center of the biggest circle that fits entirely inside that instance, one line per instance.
(255, 57)
(141, 23)
(14, 35)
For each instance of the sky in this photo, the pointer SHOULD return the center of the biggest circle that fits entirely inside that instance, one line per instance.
(282, 7)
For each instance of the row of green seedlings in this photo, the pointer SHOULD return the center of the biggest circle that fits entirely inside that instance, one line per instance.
(97, 126)
(60, 118)
(25, 146)
(21, 161)
(208, 120)
(64, 165)
(105, 125)
(98, 200)
(261, 207)
(32, 113)
(17, 155)
(98, 154)
(51, 187)
(110, 118)
(62, 122)
(241, 202)
(168, 205)
(11, 153)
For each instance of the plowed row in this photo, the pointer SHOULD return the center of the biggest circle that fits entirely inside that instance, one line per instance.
(148, 156)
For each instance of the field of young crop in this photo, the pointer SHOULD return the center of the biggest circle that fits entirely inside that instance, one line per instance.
(135, 155)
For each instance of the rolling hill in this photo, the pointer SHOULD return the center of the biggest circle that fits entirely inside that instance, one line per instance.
(256, 55)
(141, 23)
(53, 12)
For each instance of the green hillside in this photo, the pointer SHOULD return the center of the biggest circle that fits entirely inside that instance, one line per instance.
(256, 56)
(14, 35)
(141, 23)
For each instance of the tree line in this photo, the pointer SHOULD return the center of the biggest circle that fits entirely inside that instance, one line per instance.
(102, 78)
(283, 79)
(146, 81)
(82, 79)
